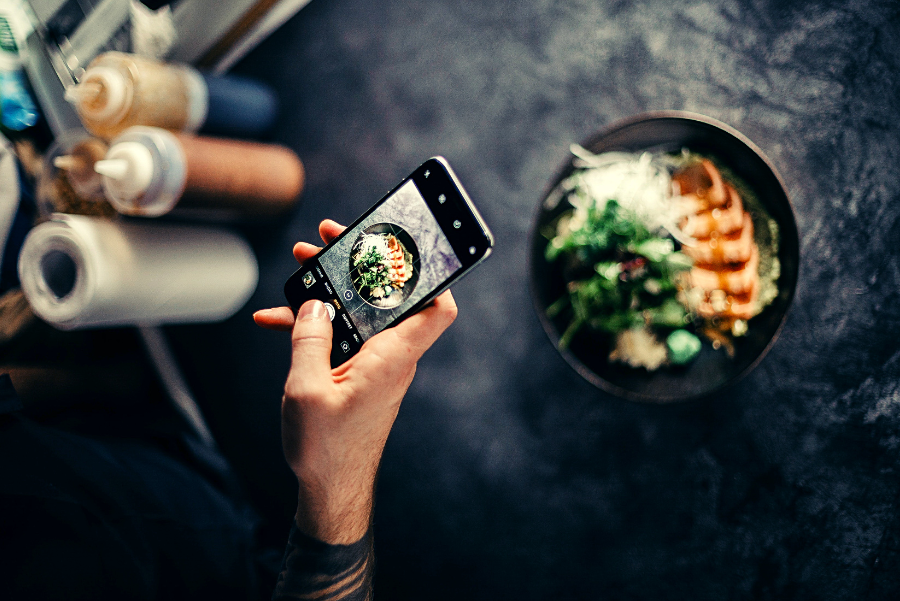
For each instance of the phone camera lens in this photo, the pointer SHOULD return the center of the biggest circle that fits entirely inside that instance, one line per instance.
(442, 198)
(457, 224)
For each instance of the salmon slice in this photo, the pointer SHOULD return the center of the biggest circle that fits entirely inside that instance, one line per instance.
(398, 271)
(731, 307)
(724, 220)
(734, 278)
(724, 282)
(735, 247)
(702, 184)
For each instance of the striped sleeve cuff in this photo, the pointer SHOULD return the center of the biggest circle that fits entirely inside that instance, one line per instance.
(314, 570)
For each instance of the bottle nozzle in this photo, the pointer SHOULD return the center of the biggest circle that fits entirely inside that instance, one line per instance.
(116, 169)
(76, 167)
(127, 171)
(103, 95)
(68, 162)
(83, 92)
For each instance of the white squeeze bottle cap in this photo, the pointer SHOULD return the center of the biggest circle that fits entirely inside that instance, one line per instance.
(127, 172)
(103, 95)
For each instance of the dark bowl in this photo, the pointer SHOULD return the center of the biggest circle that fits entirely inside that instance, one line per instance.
(409, 245)
(712, 370)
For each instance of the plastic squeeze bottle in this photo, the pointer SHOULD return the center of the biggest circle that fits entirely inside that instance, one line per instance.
(78, 167)
(119, 90)
(148, 171)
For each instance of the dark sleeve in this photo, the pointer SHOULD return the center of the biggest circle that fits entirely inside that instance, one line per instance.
(312, 569)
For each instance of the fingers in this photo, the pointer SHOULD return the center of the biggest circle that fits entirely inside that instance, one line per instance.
(310, 375)
(424, 328)
(329, 230)
(303, 251)
(420, 331)
(280, 319)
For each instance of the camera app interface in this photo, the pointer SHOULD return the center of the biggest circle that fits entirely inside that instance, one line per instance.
(390, 261)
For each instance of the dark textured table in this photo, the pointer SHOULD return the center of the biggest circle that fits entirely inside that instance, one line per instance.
(509, 477)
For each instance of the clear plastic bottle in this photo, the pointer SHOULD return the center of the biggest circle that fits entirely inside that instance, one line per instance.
(67, 182)
(148, 171)
(78, 167)
(120, 90)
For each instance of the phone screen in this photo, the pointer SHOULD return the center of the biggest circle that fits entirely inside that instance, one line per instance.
(423, 235)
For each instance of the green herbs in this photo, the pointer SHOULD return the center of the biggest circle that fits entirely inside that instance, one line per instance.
(621, 275)
(370, 269)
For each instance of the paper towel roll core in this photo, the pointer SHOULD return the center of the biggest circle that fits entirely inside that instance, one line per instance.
(79, 272)
(59, 272)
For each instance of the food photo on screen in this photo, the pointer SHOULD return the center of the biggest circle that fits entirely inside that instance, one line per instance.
(390, 261)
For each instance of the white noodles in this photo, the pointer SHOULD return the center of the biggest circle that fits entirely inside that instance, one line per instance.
(640, 184)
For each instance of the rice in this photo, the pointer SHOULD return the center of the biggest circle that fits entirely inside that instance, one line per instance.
(638, 347)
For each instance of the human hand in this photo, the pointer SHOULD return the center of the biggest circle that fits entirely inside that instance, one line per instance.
(335, 422)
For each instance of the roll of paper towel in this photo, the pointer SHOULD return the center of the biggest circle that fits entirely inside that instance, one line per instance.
(80, 272)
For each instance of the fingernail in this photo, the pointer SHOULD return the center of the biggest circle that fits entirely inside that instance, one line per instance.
(313, 309)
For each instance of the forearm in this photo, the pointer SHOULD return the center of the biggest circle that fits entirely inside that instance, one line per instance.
(338, 515)
(312, 569)
(334, 426)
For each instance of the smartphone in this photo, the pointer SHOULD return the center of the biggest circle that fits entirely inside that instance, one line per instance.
(423, 236)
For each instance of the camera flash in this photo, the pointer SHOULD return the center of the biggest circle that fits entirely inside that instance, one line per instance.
(472, 250)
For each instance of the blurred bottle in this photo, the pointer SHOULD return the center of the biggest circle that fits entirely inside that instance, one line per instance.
(120, 90)
(19, 114)
(78, 166)
(67, 182)
(148, 171)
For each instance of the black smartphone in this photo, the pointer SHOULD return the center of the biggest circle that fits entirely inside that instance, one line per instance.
(423, 236)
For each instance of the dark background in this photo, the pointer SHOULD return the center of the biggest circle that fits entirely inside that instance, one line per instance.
(506, 475)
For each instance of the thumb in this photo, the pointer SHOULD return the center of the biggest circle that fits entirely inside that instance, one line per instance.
(310, 374)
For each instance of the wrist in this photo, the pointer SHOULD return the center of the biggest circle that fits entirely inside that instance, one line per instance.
(334, 515)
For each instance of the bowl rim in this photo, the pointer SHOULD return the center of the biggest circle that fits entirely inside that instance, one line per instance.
(550, 330)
